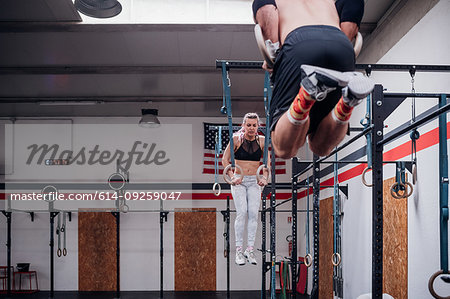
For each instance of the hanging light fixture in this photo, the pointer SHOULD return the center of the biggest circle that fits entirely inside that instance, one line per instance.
(149, 118)
(98, 8)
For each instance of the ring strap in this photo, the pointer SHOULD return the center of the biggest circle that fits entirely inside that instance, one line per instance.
(58, 232)
(64, 233)
(227, 97)
(267, 99)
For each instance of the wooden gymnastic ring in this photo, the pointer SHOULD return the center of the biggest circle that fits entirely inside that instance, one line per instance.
(49, 195)
(394, 194)
(308, 260)
(58, 252)
(228, 178)
(261, 176)
(124, 208)
(333, 259)
(262, 46)
(64, 252)
(225, 253)
(358, 44)
(217, 189)
(116, 177)
(430, 285)
(363, 177)
(406, 194)
(410, 189)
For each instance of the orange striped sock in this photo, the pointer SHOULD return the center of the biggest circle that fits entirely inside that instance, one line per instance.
(342, 111)
(300, 107)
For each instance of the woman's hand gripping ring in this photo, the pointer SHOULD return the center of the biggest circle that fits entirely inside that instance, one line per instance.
(229, 179)
(259, 176)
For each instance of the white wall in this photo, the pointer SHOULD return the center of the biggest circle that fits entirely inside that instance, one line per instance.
(426, 43)
(139, 230)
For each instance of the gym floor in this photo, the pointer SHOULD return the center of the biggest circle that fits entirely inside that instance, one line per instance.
(146, 295)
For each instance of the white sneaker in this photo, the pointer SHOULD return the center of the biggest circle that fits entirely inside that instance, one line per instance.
(240, 259)
(250, 255)
(318, 81)
(358, 88)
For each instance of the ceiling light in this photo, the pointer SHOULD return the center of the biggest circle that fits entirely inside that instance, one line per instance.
(149, 118)
(99, 8)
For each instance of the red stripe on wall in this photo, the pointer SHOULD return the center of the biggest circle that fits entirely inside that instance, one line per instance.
(201, 196)
(211, 171)
(207, 155)
(279, 163)
(425, 141)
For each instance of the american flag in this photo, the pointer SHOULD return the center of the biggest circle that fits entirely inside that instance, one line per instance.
(211, 131)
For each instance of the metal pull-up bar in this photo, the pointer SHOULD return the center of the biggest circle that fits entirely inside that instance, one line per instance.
(242, 64)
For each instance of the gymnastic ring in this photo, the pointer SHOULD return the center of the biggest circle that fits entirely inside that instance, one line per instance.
(62, 229)
(217, 189)
(334, 257)
(404, 195)
(227, 178)
(124, 208)
(414, 173)
(225, 253)
(308, 260)
(262, 46)
(259, 176)
(58, 252)
(64, 252)
(111, 181)
(363, 177)
(430, 285)
(394, 194)
(45, 193)
(358, 44)
(410, 189)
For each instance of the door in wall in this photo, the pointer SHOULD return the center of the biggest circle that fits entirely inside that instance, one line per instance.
(96, 251)
(195, 250)
(326, 248)
(395, 243)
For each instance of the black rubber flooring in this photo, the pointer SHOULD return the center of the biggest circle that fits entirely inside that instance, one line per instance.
(145, 295)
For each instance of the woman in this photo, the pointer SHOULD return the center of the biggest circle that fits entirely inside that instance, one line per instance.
(245, 187)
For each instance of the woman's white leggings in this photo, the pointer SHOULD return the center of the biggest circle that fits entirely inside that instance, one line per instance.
(247, 198)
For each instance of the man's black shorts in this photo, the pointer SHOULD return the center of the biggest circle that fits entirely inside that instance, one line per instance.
(319, 45)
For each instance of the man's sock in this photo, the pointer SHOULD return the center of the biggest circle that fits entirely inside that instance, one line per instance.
(342, 111)
(299, 110)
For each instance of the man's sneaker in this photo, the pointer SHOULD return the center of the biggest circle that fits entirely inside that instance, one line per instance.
(240, 259)
(358, 88)
(318, 82)
(250, 255)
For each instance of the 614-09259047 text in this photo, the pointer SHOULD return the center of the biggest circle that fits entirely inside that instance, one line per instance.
(99, 195)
